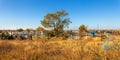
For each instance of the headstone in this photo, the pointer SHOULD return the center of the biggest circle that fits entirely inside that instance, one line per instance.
(105, 45)
(107, 42)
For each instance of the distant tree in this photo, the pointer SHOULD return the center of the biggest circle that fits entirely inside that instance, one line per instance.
(82, 29)
(29, 34)
(28, 30)
(57, 21)
(20, 30)
(39, 29)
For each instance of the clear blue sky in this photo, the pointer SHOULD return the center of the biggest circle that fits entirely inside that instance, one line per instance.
(28, 13)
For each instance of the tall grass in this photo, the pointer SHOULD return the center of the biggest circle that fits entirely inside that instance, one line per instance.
(42, 49)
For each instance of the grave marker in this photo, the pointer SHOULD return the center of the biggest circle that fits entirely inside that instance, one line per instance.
(106, 41)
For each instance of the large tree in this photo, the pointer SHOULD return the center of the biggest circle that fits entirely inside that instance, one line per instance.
(57, 21)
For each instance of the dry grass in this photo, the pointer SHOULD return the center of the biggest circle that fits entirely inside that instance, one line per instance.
(42, 49)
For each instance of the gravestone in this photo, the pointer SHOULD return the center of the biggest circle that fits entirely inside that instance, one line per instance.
(107, 41)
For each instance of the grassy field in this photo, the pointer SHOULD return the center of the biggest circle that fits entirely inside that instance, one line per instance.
(57, 49)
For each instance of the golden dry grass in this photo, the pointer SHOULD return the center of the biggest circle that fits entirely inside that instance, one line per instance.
(42, 49)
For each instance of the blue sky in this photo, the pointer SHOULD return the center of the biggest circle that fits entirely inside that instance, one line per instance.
(102, 14)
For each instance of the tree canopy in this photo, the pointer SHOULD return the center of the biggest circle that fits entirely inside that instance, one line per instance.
(29, 30)
(82, 28)
(57, 21)
(20, 30)
(39, 29)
